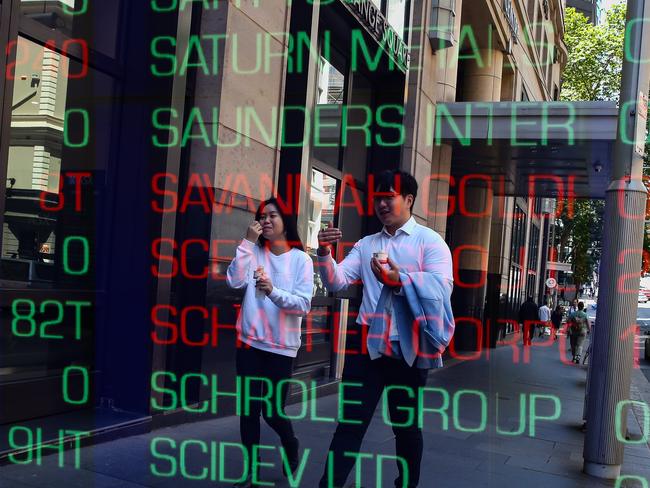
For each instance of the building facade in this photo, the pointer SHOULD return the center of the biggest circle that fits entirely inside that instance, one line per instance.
(138, 138)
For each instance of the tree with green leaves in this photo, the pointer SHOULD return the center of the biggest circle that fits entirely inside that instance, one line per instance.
(593, 70)
(592, 73)
(580, 233)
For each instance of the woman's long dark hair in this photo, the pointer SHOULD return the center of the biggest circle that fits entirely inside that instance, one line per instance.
(289, 222)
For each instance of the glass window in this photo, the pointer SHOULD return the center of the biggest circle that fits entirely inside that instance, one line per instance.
(530, 286)
(534, 248)
(322, 200)
(516, 285)
(331, 84)
(319, 330)
(74, 19)
(396, 15)
(358, 143)
(54, 176)
(327, 119)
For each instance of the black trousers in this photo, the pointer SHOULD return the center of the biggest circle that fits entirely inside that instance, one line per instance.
(529, 332)
(260, 365)
(375, 376)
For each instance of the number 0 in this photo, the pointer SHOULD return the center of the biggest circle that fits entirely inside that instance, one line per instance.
(81, 11)
(66, 392)
(86, 251)
(86, 127)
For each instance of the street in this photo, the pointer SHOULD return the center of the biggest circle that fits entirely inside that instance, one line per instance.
(510, 419)
(643, 321)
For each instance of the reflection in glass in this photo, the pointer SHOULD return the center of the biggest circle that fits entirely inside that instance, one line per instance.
(34, 166)
(39, 169)
(356, 150)
(54, 14)
(327, 119)
(330, 84)
(74, 19)
(41, 196)
(396, 14)
(319, 333)
(322, 200)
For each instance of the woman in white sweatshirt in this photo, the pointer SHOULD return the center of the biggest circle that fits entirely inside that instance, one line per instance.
(278, 278)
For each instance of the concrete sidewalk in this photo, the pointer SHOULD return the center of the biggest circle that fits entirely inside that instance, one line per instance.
(545, 453)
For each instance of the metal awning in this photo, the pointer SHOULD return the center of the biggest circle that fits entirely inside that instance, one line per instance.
(558, 147)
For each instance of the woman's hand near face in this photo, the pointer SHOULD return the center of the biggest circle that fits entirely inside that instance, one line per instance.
(254, 231)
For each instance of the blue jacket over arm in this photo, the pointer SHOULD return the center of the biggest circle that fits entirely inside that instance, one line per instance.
(424, 317)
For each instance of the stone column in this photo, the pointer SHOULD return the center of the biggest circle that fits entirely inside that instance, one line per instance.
(473, 216)
(431, 79)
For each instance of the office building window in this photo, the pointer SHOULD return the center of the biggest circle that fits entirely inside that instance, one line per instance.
(533, 251)
(533, 248)
(516, 286)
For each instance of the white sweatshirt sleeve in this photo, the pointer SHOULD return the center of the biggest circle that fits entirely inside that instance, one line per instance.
(238, 272)
(299, 299)
(338, 277)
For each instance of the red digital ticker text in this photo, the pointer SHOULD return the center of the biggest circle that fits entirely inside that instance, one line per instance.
(31, 56)
(200, 193)
(78, 177)
(172, 258)
(200, 326)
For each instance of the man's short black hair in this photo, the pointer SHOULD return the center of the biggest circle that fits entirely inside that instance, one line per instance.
(400, 181)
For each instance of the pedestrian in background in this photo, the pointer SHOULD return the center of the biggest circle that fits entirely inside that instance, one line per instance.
(545, 318)
(573, 308)
(556, 320)
(528, 317)
(578, 330)
(278, 278)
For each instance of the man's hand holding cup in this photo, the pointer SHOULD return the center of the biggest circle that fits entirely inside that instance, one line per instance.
(385, 270)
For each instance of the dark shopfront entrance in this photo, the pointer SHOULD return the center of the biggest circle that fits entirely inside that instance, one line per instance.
(75, 279)
(75, 263)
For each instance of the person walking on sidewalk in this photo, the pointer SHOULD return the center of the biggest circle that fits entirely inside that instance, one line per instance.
(556, 320)
(277, 275)
(545, 318)
(528, 317)
(573, 308)
(578, 330)
(397, 266)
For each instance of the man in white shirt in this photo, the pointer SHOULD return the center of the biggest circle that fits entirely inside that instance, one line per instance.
(544, 317)
(412, 248)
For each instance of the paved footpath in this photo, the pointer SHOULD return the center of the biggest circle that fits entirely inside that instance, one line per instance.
(471, 447)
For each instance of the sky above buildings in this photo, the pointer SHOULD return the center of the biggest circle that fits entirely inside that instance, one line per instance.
(604, 5)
